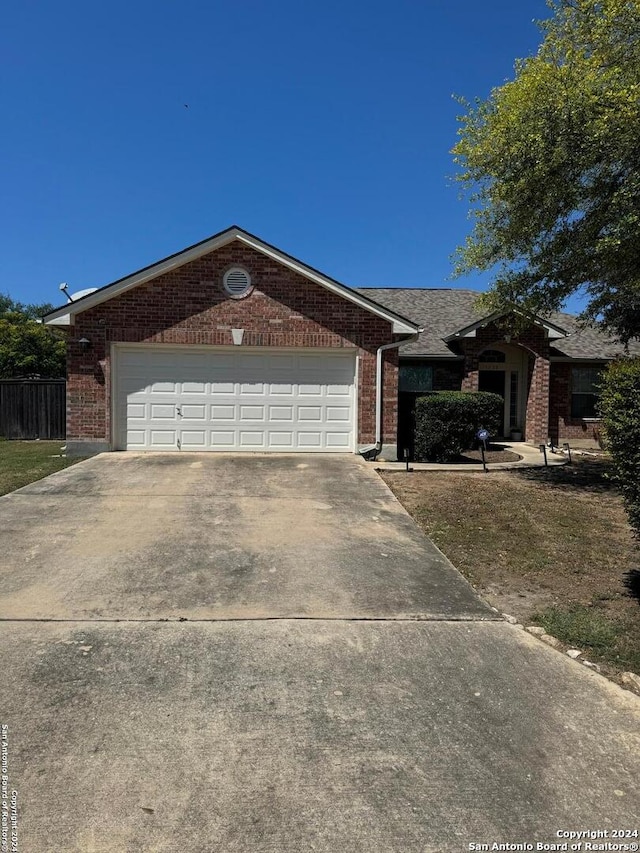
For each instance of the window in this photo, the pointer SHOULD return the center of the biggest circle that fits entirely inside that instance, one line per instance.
(493, 355)
(584, 391)
(513, 399)
(415, 377)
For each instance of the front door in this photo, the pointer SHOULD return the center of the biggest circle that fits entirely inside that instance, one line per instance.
(493, 381)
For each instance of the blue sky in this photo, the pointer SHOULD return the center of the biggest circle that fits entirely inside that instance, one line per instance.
(323, 128)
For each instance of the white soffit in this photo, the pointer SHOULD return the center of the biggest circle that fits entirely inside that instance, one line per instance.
(64, 316)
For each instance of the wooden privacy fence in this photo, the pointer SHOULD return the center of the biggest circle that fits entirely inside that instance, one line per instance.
(32, 408)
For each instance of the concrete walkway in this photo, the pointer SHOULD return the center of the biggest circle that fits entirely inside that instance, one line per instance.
(531, 455)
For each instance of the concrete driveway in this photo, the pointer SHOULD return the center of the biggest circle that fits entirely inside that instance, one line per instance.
(217, 536)
(391, 714)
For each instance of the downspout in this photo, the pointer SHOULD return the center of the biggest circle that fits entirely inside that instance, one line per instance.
(372, 451)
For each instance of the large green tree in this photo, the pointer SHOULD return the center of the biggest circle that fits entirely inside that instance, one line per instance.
(27, 348)
(552, 163)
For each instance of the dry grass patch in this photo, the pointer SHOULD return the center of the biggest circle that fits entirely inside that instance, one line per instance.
(550, 546)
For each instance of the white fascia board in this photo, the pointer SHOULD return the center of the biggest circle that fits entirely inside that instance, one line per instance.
(554, 332)
(129, 282)
(64, 316)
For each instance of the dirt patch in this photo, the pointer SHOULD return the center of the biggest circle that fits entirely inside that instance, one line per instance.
(492, 454)
(550, 546)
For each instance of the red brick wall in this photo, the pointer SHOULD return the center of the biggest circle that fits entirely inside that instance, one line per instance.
(562, 427)
(189, 306)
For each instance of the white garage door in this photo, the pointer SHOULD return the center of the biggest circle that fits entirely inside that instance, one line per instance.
(195, 399)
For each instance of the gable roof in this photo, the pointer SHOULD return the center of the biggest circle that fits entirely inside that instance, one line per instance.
(554, 331)
(442, 312)
(63, 316)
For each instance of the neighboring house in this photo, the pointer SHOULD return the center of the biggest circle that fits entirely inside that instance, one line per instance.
(233, 345)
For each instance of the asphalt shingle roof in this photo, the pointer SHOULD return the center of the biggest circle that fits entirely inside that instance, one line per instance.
(443, 311)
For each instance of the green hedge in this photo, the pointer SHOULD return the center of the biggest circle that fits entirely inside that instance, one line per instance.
(447, 422)
(620, 410)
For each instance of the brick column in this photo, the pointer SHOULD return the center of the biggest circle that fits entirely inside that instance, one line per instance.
(538, 400)
(470, 374)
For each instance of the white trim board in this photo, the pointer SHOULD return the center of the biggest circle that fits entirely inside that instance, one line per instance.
(553, 331)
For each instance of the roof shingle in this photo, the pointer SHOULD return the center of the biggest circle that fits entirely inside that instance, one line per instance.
(443, 311)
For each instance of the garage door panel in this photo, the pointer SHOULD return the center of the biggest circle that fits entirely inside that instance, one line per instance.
(251, 439)
(252, 413)
(310, 440)
(131, 386)
(223, 413)
(136, 411)
(193, 439)
(194, 387)
(163, 438)
(340, 414)
(334, 390)
(316, 363)
(191, 411)
(281, 413)
(310, 413)
(340, 440)
(281, 440)
(163, 387)
(136, 439)
(281, 363)
(285, 389)
(251, 388)
(221, 440)
(222, 388)
(163, 412)
(252, 401)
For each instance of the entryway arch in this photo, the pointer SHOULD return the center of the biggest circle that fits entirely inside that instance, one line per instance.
(503, 369)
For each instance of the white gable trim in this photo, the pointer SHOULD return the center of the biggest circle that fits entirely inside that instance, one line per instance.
(554, 332)
(64, 316)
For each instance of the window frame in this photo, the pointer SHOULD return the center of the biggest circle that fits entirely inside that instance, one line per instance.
(402, 367)
(593, 393)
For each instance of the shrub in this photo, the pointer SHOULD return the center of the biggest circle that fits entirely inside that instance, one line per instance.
(620, 410)
(447, 422)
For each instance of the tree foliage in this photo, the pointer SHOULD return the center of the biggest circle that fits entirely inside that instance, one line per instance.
(27, 348)
(552, 163)
(620, 409)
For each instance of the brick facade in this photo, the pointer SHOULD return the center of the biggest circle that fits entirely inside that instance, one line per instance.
(562, 427)
(447, 376)
(548, 392)
(189, 306)
(536, 344)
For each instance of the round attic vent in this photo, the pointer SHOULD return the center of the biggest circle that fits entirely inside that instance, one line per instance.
(237, 282)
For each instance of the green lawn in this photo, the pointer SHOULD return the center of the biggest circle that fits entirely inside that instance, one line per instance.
(22, 462)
